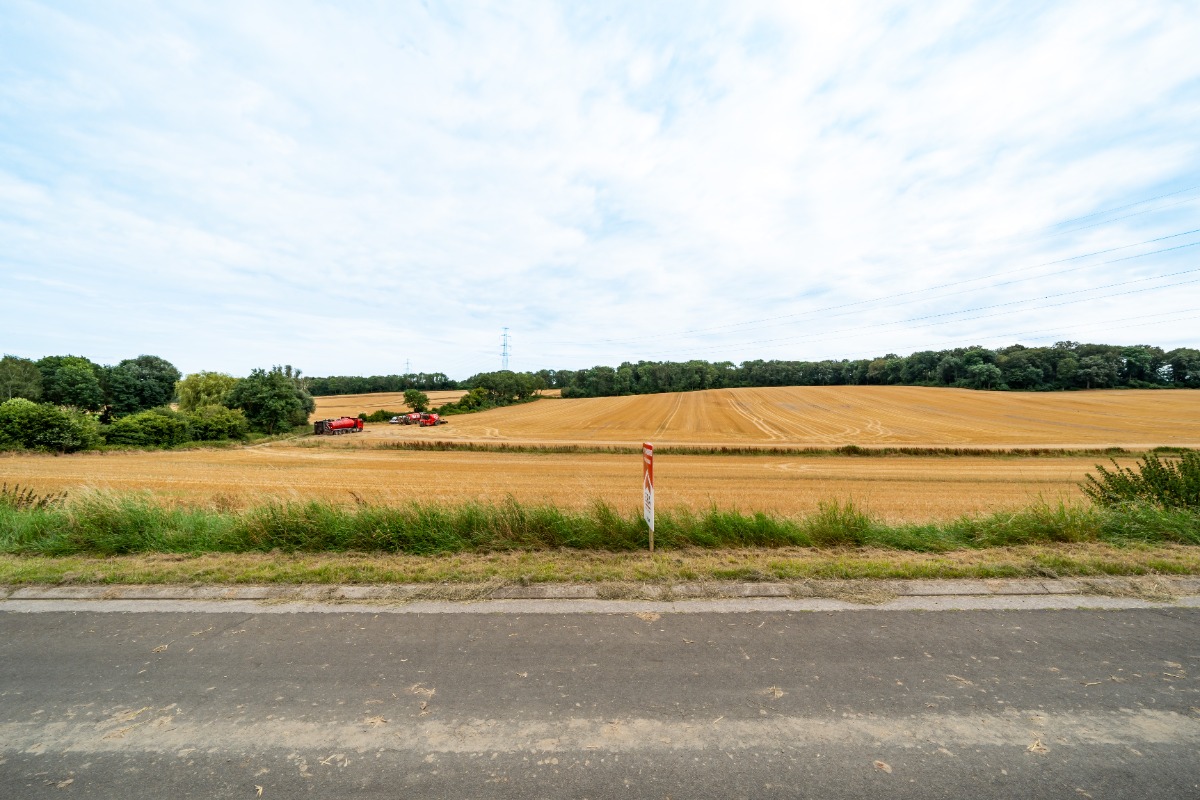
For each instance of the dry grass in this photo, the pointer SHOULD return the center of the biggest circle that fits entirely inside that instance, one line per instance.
(899, 488)
(840, 415)
(614, 573)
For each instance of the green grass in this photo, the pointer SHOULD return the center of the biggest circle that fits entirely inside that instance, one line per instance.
(102, 524)
(615, 574)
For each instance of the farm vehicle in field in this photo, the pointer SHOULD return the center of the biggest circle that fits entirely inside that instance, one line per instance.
(423, 418)
(336, 427)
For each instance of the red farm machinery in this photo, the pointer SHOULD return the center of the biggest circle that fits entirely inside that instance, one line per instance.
(423, 418)
(336, 427)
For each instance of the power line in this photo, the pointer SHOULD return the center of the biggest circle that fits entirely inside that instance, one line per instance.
(779, 341)
(1122, 208)
(892, 297)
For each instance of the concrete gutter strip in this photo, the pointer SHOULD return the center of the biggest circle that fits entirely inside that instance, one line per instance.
(531, 607)
(1158, 590)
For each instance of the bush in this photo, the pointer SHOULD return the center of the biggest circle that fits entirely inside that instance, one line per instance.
(1152, 481)
(213, 423)
(42, 426)
(158, 427)
(475, 400)
(380, 416)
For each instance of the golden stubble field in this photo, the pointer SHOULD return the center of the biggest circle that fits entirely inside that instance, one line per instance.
(830, 416)
(351, 405)
(896, 488)
(338, 469)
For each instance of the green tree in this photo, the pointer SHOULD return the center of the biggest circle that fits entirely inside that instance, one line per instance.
(271, 400)
(1097, 372)
(1067, 370)
(20, 377)
(416, 400)
(984, 376)
(71, 381)
(1183, 367)
(506, 387)
(76, 384)
(137, 384)
(203, 389)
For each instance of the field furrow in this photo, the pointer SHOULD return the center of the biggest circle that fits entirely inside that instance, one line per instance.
(834, 416)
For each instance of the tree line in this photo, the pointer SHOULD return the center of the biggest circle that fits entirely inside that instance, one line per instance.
(70, 403)
(1064, 366)
(353, 384)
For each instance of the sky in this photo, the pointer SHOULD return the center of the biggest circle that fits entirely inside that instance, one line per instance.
(380, 187)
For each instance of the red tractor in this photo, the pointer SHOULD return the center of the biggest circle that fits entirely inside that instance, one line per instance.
(336, 427)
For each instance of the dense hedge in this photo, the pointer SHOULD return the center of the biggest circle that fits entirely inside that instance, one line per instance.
(44, 426)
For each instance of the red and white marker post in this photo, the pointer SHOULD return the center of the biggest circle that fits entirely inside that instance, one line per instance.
(648, 488)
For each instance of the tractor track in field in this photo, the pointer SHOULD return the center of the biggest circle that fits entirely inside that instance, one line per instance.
(666, 423)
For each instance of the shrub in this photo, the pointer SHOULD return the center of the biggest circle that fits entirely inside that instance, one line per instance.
(211, 423)
(42, 426)
(380, 416)
(158, 427)
(475, 400)
(1152, 481)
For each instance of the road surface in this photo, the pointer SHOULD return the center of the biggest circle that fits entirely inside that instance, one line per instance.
(755, 704)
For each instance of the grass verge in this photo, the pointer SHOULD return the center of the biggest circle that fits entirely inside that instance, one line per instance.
(105, 524)
(615, 570)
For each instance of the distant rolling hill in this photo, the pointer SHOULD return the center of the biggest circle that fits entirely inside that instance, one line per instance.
(830, 416)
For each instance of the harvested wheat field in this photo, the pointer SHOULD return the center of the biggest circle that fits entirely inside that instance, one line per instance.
(351, 405)
(903, 488)
(830, 416)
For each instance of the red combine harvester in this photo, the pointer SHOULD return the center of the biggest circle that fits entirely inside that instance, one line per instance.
(336, 427)
(422, 418)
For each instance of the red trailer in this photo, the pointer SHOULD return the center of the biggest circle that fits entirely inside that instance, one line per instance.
(336, 427)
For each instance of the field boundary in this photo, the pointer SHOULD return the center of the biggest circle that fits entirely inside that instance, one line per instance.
(851, 450)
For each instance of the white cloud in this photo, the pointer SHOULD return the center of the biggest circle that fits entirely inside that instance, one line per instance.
(233, 186)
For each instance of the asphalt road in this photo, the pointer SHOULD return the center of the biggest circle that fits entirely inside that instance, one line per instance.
(1017, 703)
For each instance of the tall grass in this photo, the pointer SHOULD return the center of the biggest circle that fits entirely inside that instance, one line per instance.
(108, 524)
